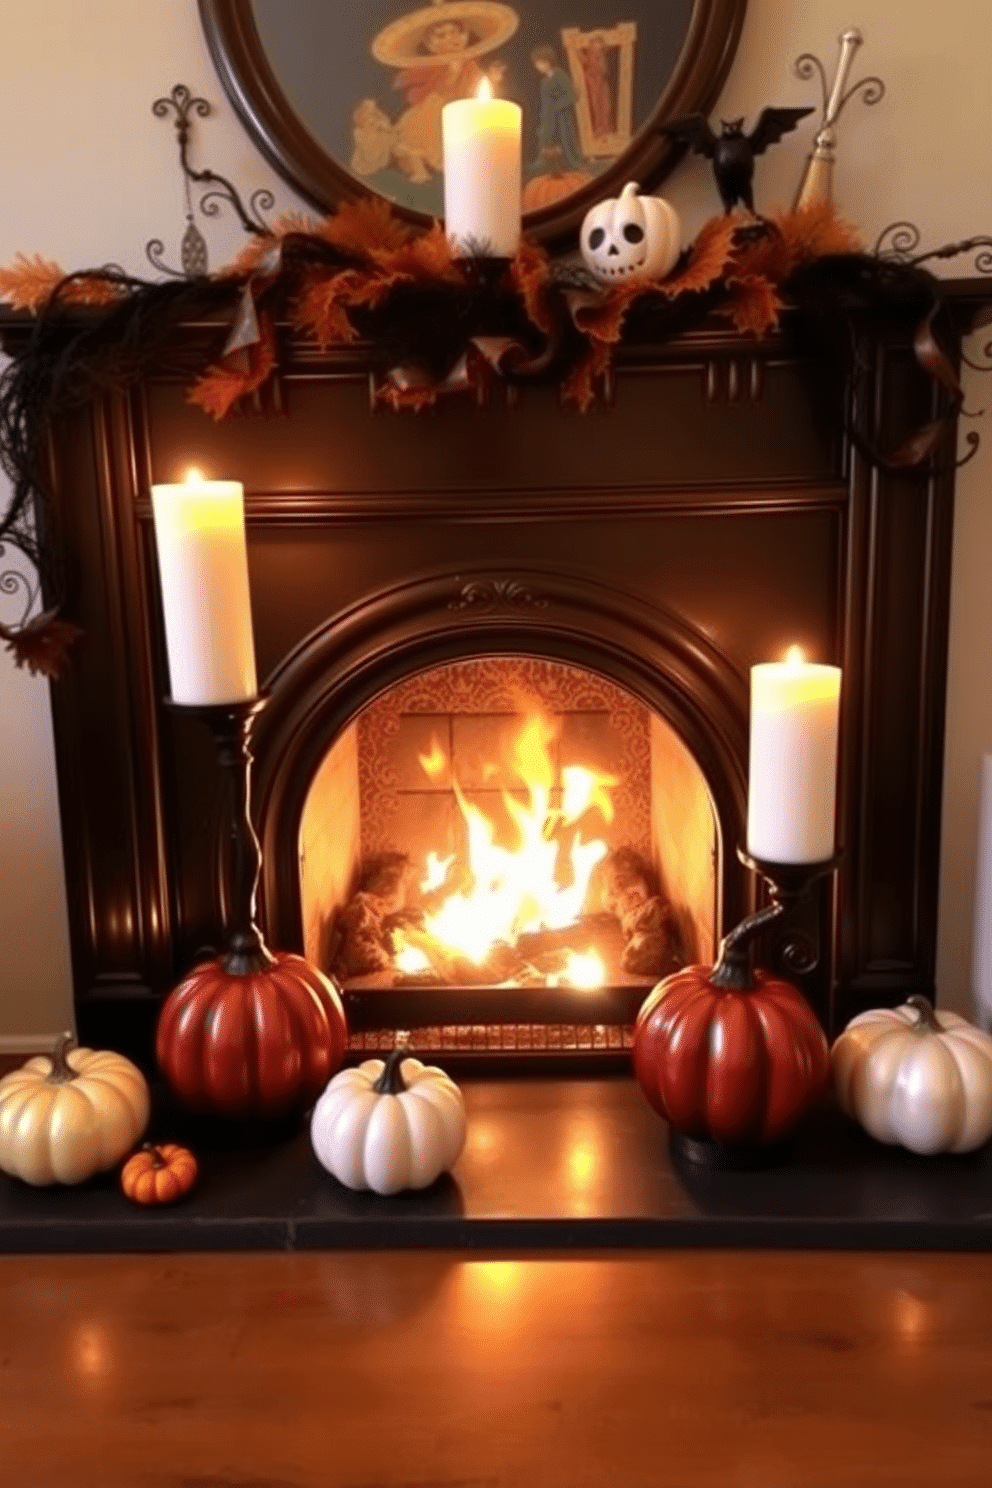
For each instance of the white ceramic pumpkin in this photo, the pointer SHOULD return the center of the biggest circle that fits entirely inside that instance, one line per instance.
(916, 1078)
(630, 237)
(389, 1126)
(65, 1118)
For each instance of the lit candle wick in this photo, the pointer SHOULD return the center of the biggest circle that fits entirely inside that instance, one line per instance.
(484, 91)
(794, 656)
(193, 477)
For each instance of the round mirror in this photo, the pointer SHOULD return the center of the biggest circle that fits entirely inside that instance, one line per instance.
(345, 100)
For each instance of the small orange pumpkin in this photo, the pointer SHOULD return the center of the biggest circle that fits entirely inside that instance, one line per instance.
(158, 1174)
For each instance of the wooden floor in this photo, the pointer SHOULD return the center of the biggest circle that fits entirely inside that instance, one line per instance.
(431, 1370)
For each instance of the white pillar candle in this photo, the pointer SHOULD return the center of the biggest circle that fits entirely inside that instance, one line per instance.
(482, 174)
(792, 793)
(203, 568)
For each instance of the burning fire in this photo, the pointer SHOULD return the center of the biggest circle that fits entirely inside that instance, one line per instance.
(541, 884)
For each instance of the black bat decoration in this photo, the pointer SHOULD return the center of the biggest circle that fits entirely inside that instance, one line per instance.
(732, 151)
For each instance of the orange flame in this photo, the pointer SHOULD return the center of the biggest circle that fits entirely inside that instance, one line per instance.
(541, 884)
(434, 763)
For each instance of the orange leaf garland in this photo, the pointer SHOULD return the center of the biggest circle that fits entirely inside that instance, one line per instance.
(424, 258)
(753, 306)
(320, 307)
(579, 387)
(816, 232)
(226, 381)
(28, 283)
(365, 227)
(708, 258)
(530, 276)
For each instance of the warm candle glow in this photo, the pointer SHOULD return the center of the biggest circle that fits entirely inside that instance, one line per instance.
(482, 173)
(203, 569)
(793, 770)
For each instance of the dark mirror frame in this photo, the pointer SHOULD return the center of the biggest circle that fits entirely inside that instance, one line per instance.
(248, 80)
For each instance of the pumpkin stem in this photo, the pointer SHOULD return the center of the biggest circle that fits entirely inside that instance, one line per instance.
(734, 967)
(928, 1018)
(62, 1072)
(158, 1160)
(391, 1081)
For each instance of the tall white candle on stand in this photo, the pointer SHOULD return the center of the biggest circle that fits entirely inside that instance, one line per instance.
(203, 568)
(792, 788)
(482, 174)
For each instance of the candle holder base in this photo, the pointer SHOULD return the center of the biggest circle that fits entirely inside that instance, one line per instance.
(727, 1157)
(483, 270)
(789, 882)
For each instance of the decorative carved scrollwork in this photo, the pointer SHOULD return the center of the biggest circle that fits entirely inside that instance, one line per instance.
(484, 596)
(798, 954)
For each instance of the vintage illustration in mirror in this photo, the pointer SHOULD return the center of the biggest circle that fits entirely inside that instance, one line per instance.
(370, 82)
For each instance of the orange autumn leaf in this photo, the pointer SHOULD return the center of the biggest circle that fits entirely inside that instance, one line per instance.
(427, 257)
(226, 381)
(364, 228)
(28, 283)
(320, 306)
(579, 387)
(753, 306)
(815, 232)
(42, 645)
(602, 318)
(765, 255)
(530, 276)
(708, 257)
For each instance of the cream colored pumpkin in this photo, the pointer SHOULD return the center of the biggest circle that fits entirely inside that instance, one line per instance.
(916, 1078)
(630, 237)
(65, 1118)
(389, 1126)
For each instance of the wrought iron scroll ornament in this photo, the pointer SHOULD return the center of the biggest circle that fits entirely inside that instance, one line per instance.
(193, 253)
(899, 241)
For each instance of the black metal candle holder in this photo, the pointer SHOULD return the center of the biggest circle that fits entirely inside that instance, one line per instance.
(252, 1034)
(232, 726)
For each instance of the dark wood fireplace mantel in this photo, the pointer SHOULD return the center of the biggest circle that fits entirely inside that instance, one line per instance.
(707, 515)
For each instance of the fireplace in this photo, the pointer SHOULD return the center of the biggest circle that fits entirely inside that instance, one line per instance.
(506, 832)
(415, 577)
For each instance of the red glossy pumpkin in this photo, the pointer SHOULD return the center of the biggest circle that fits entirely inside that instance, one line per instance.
(729, 1064)
(257, 1043)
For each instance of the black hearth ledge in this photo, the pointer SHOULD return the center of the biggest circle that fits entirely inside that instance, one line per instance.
(565, 1165)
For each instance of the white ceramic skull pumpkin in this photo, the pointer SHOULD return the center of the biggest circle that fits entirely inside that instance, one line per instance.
(630, 237)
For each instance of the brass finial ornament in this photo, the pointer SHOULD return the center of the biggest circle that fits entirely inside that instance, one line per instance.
(817, 183)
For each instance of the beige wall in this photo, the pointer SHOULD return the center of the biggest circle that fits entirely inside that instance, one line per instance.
(87, 175)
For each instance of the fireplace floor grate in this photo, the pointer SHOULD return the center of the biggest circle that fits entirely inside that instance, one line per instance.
(496, 1038)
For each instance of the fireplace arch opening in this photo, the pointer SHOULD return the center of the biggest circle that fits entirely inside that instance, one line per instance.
(506, 842)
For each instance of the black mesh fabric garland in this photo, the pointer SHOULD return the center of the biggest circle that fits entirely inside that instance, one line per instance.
(430, 327)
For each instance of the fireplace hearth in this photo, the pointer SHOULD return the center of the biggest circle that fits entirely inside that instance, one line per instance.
(707, 518)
